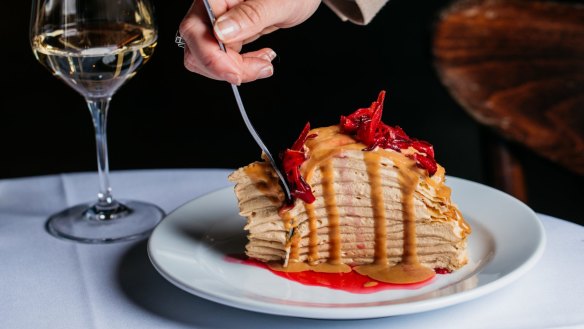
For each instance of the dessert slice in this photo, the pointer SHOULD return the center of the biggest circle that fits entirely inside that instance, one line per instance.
(367, 197)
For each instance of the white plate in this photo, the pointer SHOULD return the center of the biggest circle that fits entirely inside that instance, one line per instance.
(190, 245)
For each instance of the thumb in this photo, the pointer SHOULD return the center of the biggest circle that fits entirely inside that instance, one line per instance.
(247, 19)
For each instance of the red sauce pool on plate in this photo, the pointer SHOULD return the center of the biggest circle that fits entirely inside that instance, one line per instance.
(352, 282)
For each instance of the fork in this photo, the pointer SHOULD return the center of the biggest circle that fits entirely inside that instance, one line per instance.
(248, 123)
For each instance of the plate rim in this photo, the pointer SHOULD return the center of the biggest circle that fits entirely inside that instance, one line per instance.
(361, 312)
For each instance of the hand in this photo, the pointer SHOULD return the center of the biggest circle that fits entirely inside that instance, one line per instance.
(238, 22)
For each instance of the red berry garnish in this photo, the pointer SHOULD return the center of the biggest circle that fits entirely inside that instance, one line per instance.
(441, 270)
(292, 159)
(365, 126)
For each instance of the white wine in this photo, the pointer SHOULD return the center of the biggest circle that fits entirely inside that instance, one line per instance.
(94, 46)
(95, 60)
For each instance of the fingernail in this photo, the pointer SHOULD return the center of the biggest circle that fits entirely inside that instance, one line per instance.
(232, 78)
(271, 55)
(266, 72)
(226, 28)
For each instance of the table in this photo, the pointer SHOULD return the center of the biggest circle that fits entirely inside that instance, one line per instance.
(47, 282)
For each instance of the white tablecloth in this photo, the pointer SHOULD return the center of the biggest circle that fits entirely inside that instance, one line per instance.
(46, 282)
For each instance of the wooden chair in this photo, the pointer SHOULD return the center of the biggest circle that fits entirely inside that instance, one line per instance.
(517, 67)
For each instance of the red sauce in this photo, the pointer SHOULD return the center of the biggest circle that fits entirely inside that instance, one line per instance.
(352, 282)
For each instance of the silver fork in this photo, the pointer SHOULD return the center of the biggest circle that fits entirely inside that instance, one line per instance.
(180, 42)
(248, 123)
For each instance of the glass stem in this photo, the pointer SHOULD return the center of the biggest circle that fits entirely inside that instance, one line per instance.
(98, 108)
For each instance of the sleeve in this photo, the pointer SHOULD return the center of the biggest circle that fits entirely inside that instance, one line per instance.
(360, 12)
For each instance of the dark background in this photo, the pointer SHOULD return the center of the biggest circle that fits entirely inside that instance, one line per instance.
(167, 117)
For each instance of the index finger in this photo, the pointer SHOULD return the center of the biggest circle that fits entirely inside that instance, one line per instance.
(202, 52)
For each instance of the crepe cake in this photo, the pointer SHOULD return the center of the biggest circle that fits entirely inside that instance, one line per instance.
(366, 197)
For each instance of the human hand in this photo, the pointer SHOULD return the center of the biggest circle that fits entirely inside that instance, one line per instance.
(238, 22)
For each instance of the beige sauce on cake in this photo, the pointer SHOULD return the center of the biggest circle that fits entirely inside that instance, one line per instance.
(329, 143)
(332, 212)
(265, 181)
(313, 234)
(373, 162)
(409, 269)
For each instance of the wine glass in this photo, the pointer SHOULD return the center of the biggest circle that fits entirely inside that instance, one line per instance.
(95, 46)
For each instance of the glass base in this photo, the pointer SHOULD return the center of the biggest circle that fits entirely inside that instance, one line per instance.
(87, 223)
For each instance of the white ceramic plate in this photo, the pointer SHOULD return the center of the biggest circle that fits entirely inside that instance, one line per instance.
(189, 248)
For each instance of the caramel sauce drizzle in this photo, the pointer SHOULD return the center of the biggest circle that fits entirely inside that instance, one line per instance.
(409, 269)
(334, 263)
(329, 143)
(312, 234)
(332, 212)
(373, 163)
(287, 219)
(265, 181)
(295, 248)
